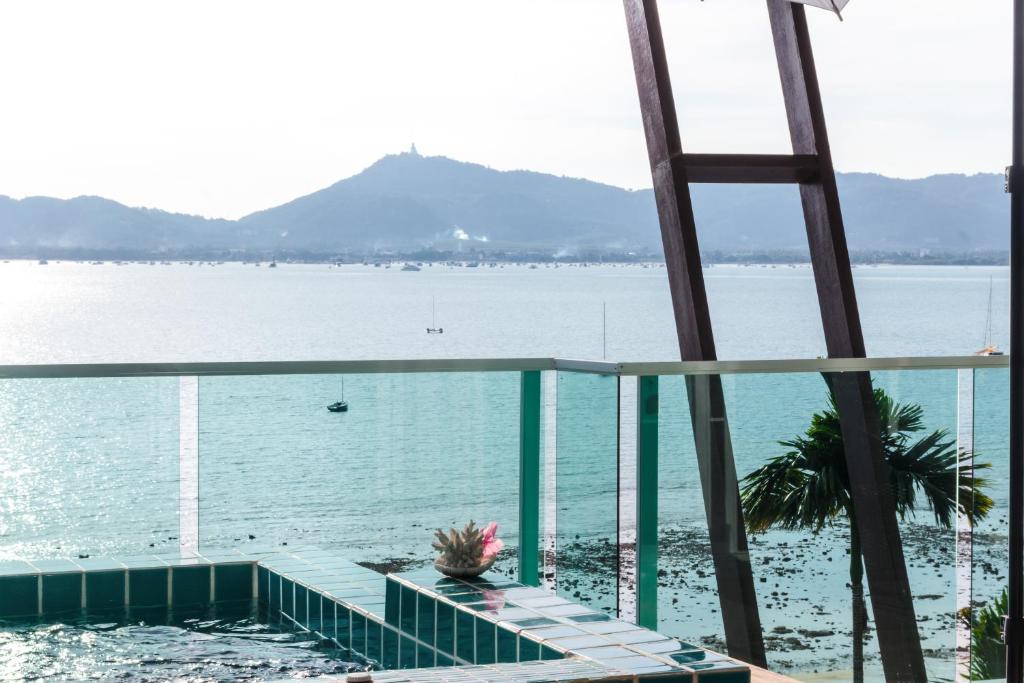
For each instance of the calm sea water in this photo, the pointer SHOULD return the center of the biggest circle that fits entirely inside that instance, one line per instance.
(90, 466)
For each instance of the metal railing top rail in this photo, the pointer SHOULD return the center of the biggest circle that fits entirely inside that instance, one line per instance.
(89, 370)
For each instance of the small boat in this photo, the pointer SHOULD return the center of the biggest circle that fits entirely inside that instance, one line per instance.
(990, 349)
(43, 262)
(342, 405)
(434, 329)
(411, 268)
(272, 264)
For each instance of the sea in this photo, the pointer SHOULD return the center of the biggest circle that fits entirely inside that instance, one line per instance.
(90, 466)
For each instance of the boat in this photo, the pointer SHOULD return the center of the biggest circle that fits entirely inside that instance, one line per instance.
(434, 329)
(43, 262)
(411, 268)
(272, 264)
(342, 405)
(989, 349)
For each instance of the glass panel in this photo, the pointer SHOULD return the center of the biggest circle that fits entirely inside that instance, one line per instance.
(929, 540)
(88, 467)
(990, 536)
(587, 488)
(413, 452)
(802, 576)
(688, 606)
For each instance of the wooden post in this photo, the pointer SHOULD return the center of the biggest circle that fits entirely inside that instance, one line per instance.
(696, 342)
(873, 500)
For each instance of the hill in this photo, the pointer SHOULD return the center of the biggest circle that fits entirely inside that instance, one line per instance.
(406, 203)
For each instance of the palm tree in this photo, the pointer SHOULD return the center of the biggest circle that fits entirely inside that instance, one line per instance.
(988, 652)
(808, 487)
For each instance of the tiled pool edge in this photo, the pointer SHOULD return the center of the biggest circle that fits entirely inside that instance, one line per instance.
(572, 642)
(362, 610)
(48, 587)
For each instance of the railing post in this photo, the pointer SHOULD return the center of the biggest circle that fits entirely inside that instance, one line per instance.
(529, 477)
(188, 465)
(550, 544)
(964, 533)
(627, 498)
(647, 502)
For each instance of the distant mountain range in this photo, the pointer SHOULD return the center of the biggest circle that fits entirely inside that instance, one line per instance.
(408, 203)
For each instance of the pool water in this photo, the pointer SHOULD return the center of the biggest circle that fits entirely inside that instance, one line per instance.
(225, 642)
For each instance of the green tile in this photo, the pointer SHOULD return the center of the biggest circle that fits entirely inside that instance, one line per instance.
(302, 605)
(19, 595)
(104, 589)
(358, 632)
(190, 585)
(424, 657)
(425, 618)
(408, 612)
(232, 581)
(16, 568)
(315, 612)
(465, 636)
(550, 653)
(343, 626)
(407, 653)
(62, 592)
(327, 607)
(507, 646)
(392, 602)
(445, 636)
(374, 640)
(389, 655)
(147, 587)
(273, 593)
(486, 641)
(262, 585)
(288, 597)
(529, 650)
(55, 566)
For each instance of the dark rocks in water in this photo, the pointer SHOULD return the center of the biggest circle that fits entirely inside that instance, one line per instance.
(82, 556)
(815, 633)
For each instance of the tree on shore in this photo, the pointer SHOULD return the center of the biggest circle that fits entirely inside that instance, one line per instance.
(808, 487)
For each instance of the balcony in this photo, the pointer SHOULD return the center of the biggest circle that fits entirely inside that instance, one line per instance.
(590, 470)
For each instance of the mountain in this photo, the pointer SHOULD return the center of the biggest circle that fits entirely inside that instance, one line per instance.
(408, 202)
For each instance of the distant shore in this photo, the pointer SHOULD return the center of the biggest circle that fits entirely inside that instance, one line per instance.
(477, 258)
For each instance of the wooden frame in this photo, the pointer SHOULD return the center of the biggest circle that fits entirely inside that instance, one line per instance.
(811, 168)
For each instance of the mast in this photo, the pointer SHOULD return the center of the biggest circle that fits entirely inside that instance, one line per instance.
(988, 318)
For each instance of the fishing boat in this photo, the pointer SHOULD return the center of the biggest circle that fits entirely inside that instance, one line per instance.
(990, 349)
(434, 329)
(408, 267)
(342, 405)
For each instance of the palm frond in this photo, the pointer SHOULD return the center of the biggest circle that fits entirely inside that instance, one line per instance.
(809, 487)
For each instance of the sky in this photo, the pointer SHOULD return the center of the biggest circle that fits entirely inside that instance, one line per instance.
(225, 107)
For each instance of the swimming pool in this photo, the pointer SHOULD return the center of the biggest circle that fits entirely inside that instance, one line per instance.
(312, 613)
(236, 641)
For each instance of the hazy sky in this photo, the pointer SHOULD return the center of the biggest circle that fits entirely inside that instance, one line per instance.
(223, 107)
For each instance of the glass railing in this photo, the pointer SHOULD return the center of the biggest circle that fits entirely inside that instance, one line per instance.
(591, 470)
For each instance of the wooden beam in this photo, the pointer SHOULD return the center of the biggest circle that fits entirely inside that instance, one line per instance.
(733, 573)
(749, 168)
(873, 500)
